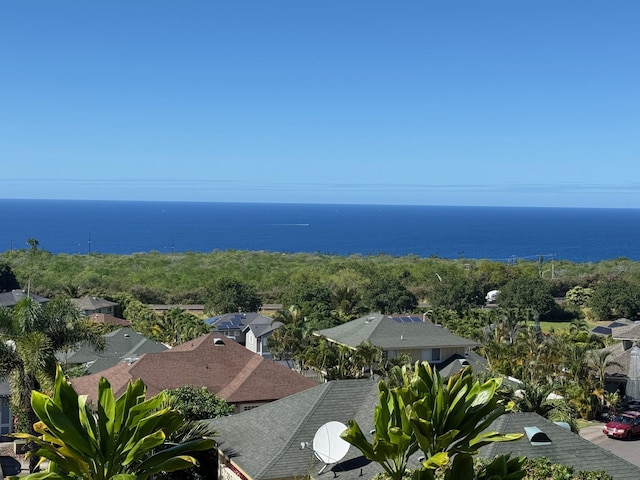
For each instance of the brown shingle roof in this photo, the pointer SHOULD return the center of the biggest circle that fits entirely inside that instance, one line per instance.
(106, 318)
(223, 366)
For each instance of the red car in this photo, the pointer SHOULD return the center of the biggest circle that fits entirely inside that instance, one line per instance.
(625, 425)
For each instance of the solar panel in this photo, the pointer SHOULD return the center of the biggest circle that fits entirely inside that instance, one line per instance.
(602, 330)
(407, 318)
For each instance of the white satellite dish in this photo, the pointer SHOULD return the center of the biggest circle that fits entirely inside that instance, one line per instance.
(327, 445)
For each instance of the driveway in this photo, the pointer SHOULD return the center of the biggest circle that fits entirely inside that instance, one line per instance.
(626, 449)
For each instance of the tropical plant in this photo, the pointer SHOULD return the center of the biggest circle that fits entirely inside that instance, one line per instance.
(177, 326)
(290, 340)
(30, 335)
(125, 439)
(598, 361)
(197, 403)
(542, 468)
(443, 421)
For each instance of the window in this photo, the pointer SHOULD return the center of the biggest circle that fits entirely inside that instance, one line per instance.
(435, 354)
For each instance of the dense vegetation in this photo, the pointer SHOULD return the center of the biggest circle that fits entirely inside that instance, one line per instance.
(319, 291)
(324, 284)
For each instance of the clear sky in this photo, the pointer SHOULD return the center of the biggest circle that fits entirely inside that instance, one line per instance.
(449, 102)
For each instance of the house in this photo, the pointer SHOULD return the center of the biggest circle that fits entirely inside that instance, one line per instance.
(9, 299)
(619, 360)
(401, 334)
(249, 329)
(224, 367)
(608, 329)
(90, 305)
(275, 441)
(231, 325)
(544, 438)
(256, 333)
(122, 345)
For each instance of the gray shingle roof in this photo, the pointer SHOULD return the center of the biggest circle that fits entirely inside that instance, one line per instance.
(455, 363)
(265, 442)
(566, 448)
(383, 331)
(91, 303)
(9, 299)
(626, 332)
(120, 344)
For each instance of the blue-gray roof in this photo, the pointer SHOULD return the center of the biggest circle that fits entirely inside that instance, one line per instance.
(389, 334)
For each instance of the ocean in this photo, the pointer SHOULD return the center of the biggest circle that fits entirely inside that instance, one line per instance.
(494, 233)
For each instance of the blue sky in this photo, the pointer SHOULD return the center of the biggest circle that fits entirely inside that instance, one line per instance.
(492, 102)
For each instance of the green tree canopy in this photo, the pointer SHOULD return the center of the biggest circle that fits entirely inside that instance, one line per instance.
(388, 296)
(527, 292)
(8, 280)
(227, 295)
(616, 298)
(458, 293)
(197, 403)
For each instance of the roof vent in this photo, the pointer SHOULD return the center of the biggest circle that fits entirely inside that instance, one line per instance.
(564, 425)
(218, 341)
(537, 436)
(369, 319)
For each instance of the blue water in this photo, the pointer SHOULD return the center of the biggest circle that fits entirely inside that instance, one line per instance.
(495, 233)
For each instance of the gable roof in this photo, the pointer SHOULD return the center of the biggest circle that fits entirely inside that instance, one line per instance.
(261, 326)
(91, 303)
(608, 330)
(389, 334)
(110, 319)
(455, 363)
(225, 367)
(566, 447)
(627, 332)
(234, 321)
(123, 344)
(9, 299)
(265, 443)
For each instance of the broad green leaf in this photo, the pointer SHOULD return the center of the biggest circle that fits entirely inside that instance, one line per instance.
(436, 461)
(144, 445)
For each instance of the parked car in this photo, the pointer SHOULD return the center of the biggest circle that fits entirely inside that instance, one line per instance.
(625, 425)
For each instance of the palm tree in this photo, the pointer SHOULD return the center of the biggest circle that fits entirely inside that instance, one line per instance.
(289, 341)
(30, 335)
(368, 356)
(346, 303)
(599, 361)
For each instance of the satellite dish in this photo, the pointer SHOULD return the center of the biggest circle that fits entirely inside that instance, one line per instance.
(328, 446)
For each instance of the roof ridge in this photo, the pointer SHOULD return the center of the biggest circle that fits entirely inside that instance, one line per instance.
(238, 380)
(378, 323)
(300, 424)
